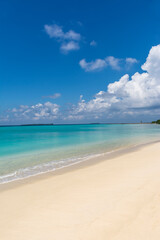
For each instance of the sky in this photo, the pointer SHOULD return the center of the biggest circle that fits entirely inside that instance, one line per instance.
(79, 61)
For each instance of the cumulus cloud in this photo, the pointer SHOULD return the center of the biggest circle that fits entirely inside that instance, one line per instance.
(69, 46)
(113, 62)
(69, 41)
(127, 95)
(131, 60)
(56, 31)
(100, 64)
(38, 111)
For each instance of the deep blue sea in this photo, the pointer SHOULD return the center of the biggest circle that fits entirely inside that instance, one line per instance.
(30, 150)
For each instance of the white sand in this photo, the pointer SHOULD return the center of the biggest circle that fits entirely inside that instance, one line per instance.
(114, 199)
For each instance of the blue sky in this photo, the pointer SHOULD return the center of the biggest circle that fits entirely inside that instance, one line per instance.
(53, 52)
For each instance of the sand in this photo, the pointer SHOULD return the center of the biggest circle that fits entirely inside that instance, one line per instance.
(113, 199)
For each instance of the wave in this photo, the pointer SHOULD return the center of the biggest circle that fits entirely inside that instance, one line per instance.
(27, 172)
(54, 165)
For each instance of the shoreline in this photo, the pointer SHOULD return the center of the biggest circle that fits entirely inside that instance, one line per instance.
(75, 166)
(115, 199)
(61, 149)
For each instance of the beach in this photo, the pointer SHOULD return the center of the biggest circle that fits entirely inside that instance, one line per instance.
(115, 198)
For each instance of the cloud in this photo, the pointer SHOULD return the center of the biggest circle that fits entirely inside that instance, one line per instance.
(98, 64)
(93, 43)
(69, 41)
(69, 46)
(138, 95)
(135, 95)
(38, 111)
(71, 35)
(56, 31)
(131, 60)
(113, 62)
(54, 96)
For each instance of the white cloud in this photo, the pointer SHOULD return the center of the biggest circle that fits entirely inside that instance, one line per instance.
(98, 64)
(54, 31)
(93, 43)
(152, 65)
(127, 95)
(69, 40)
(69, 46)
(113, 62)
(72, 35)
(118, 85)
(38, 111)
(131, 60)
(54, 96)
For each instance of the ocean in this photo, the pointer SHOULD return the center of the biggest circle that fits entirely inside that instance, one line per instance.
(30, 150)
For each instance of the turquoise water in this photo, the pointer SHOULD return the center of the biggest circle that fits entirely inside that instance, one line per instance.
(30, 150)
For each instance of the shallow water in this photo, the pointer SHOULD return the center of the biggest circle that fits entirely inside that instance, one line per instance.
(31, 150)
